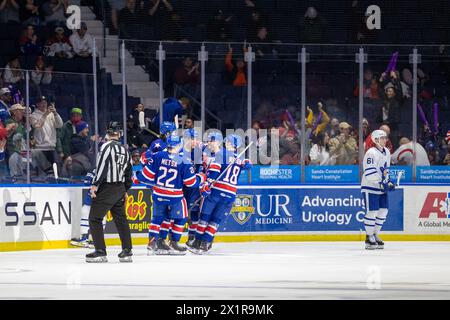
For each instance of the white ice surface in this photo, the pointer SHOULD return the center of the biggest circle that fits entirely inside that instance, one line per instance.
(301, 270)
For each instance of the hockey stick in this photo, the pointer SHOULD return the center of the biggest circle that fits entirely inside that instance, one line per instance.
(220, 175)
(400, 174)
(151, 132)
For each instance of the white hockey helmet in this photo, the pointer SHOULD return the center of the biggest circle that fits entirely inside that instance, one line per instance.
(377, 134)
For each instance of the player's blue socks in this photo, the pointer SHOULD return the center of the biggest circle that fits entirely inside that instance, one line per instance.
(194, 223)
(155, 227)
(201, 228)
(210, 231)
(166, 225)
(177, 229)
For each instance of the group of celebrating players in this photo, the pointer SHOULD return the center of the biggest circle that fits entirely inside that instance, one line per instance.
(189, 179)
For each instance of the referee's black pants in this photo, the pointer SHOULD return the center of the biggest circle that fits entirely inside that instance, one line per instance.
(110, 197)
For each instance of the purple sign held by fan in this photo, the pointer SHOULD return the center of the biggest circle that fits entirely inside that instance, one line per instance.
(392, 64)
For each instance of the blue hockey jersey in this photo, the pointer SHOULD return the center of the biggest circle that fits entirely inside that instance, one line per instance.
(168, 174)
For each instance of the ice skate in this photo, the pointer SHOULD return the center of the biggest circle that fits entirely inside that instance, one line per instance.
(371, 243)
(190, 241)
(151, 247)
(177, 249)
(162, 248)
(98, 256)
(82, 242)
(380, 243)
(205, 247)
(126, 255)
(194, 247)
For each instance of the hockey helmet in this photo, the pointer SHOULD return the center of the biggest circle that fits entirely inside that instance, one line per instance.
(235, 140)
(167, 127)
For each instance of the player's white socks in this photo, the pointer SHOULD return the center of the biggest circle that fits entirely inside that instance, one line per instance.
(369, 222)
(381, 217)
(84, 223)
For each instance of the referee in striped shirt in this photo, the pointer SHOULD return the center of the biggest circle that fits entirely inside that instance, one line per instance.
(109, 193)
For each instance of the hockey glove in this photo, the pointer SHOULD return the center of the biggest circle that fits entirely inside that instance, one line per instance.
(391, 186)
(134, 178)
(205, 190)
(246, 164)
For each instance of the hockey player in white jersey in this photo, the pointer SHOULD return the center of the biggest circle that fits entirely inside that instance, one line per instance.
(375, 186)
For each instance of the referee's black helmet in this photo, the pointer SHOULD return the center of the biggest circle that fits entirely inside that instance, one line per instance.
(115, 128)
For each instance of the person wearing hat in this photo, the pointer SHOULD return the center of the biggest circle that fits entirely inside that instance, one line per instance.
(45, 120)
(59, 47)
(68, 130)
(16, 123)
(344, 147)
(81, 160)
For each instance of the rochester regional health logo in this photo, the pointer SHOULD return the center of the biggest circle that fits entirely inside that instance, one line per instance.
(243, 208)
(435, 210)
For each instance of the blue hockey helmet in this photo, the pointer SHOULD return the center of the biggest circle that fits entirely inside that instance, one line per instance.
(167, 127)
(173, 141)
(191, 133)
(235, 140)
(215, 136)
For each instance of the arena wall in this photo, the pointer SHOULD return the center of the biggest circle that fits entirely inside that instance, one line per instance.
(47, 217)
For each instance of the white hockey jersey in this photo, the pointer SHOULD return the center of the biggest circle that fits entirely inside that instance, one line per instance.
(404, 154)
(375, 170)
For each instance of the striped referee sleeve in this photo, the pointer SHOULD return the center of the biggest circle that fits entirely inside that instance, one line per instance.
(103, 160)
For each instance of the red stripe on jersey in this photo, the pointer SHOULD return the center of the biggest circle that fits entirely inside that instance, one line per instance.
(154, 227)
(148, 173)
(144, 159)
(224, 187)
(201, 228)
(165, 225)
(404, 151)
(178, 228)
(190, 181)
(165, 192)
(185, 209)
(215, 166)
(211, 230)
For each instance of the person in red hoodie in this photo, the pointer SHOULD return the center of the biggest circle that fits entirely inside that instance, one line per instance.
(369, 143)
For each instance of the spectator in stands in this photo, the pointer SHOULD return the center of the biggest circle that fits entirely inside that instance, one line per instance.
(13, 73)
(29, 12)
(174, 109)
(139, 135)
(55, 12)
(9, 12)
(311, 120)
(129, 21)
(82, 44)
(189, 124)
(159, 12)
(312, 28)
(334, 131)
(80, 161)
(188, 73)
(370, 86)
(447, 156)
(260, 40)
(365, 128)
(253, 21)
(58, 49)
(404, 155)
(17, 156)
(135, 159)
(5, 101)
(116, 6)
(344, 147)
(16, 123)
(391, 92)
(45, 120)
(42, 74)
(219, 27)
(68, 130)
(320, 151)
(29, 42)
(172, 31)
(289, 151)
(3, 141)
(237, 71)
(369, 143)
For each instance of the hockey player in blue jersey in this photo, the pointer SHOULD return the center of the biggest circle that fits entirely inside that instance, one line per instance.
(168, 174)
(375, 185)
(193, 152)
(166, 129)
(219, 193)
